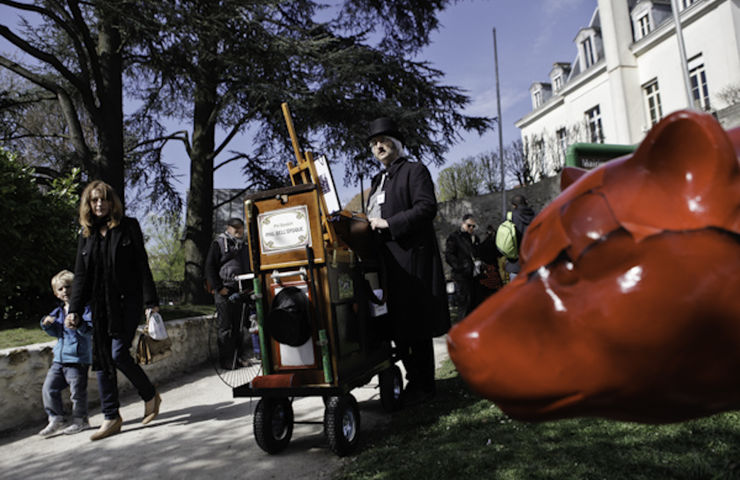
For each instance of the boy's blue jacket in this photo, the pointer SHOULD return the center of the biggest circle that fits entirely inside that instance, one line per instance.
(74, 346)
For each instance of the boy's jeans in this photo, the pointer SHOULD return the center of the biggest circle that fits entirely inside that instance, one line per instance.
(58, 378)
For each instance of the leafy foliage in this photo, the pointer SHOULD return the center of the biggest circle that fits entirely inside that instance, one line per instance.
(38, 237)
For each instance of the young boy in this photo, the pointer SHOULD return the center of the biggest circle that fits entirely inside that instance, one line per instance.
(72, 359)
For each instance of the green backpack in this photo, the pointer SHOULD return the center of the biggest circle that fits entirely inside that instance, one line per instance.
(506, 239)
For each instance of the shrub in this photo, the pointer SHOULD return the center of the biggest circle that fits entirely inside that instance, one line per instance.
(37, 238)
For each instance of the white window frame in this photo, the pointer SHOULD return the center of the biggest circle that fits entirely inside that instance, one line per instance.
(644, 25)
(653, 105)
(557, 83)
(698, 79)
(595, 127)
(562, 137)
(537, 97)
(587, 47)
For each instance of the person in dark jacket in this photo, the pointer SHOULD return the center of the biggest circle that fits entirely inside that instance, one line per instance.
(227, 257)
(112, 275)
(461, 252)
(401, 209)
(522, 216)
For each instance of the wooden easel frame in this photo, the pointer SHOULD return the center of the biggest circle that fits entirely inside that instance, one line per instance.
(304, 171)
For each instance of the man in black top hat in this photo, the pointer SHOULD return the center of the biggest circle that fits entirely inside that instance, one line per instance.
(227, 258)
(401, 209)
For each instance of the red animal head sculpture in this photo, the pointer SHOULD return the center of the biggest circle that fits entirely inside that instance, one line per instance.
(628, 302)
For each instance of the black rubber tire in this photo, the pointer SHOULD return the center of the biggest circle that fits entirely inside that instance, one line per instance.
(342, 424)
(273, 424)
(391, 386)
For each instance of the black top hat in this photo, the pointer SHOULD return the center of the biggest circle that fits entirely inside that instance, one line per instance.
(384, 126)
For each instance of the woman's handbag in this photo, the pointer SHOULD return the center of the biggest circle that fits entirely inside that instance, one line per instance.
(149, 350)
(154, 344)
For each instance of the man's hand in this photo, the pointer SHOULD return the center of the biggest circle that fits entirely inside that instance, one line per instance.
(378, 223)
(48, 320)
(72, 320)
(223, 292)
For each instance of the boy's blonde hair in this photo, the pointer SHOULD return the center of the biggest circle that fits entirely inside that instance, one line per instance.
(65, 277)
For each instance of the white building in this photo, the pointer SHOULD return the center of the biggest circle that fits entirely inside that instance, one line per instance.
(627, 74)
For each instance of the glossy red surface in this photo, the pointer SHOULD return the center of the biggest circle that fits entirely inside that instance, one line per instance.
(628, 303)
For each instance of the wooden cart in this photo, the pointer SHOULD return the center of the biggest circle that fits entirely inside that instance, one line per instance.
(320, 318)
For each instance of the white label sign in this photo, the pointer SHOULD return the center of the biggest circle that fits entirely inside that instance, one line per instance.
(284, 230)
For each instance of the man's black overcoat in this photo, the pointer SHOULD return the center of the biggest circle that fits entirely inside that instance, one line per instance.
(417, 298)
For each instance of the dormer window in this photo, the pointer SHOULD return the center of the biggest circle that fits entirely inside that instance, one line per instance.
(537, 98)
(541, 93)
(558, 75)
(589, 44)
(643, 25)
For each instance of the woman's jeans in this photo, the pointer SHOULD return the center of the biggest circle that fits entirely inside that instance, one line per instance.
(123, 361)
(58, 378)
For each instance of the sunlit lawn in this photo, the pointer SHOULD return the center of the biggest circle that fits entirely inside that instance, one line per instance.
(459, 435)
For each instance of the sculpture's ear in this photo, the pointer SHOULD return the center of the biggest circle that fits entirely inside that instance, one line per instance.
(685, 175)
(570, 175)
(688, 150)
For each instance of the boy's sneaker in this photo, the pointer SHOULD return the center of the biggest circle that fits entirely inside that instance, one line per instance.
(54, 426)
(77, 425)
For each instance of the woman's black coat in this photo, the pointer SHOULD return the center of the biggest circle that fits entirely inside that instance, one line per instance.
(417, 298)
(131, 273)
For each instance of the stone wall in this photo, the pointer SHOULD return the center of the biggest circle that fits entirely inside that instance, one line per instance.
(23, 370)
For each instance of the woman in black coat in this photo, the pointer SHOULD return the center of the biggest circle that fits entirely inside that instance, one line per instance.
(112, 275)
(401, 209)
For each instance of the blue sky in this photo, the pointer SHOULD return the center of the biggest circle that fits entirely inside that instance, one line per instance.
(531, 35)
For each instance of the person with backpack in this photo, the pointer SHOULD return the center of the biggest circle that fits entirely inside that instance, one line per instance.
(228, 257)
(461, 252)
(511, 232)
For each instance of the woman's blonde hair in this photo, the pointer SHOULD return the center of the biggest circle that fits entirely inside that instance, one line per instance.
(65, 277)
(87, 218)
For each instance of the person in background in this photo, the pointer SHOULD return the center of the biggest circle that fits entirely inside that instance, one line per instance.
(461, 252)
(72, 359)
(522, 215)
(491, 281)
(112, 275)
(227, 258)
(401, 208)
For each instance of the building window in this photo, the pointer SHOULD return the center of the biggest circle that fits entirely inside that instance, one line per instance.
(537, 98)
(643, 25)
(562, 137)
(652, 99)
(698, 78)
(687, 3)
(593, 119)
(557, 82)
(588, 52)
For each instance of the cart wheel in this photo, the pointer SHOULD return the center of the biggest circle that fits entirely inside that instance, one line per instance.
(342, 424)
(391, 385)
(273, 424)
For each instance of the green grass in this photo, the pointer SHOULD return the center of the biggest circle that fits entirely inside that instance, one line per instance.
(459, 435)
(30, 331)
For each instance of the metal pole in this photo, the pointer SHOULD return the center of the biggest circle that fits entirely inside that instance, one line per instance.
(500, 131)
(682, 53)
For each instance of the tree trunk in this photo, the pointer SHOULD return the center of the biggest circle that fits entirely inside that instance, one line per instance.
(199, 219)
(109, 120)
